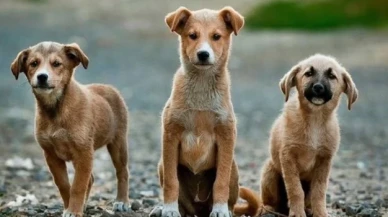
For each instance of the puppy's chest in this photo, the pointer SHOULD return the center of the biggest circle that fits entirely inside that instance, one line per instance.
(198, 141)
(59, 139)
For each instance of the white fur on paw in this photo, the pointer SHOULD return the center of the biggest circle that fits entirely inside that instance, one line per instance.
(220, 210)
(170, 210)
(119, 206)
(68, 214)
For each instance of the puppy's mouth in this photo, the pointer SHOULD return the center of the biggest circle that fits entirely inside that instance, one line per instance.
(318, 100)
(200, 64)
(43, 87)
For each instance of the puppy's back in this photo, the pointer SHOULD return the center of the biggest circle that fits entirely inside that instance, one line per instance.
(112, 97)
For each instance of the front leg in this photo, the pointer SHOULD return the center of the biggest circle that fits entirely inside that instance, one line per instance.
(170, 186)
(83, 162)
(225, 139)
(59, 172)
(319, 185)
(295, 193)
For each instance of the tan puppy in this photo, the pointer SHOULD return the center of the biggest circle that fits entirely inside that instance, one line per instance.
(305, 137)
(197, 169)
(73, 120)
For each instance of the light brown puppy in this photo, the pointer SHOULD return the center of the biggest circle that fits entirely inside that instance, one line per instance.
(73, 120)
(197, 169)
(305, 137)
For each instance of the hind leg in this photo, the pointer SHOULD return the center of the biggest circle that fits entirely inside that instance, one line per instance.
(119, 154)
(270, 192)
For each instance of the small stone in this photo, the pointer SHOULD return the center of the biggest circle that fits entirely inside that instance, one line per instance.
(352, 210)
(368, 213)
(106, 213)
(361, 191)
(365, 175)
(156, 212)
(328, 198)
(134, 195)
(147, 193)
(135, 205)
(149, 202)
(339, 204)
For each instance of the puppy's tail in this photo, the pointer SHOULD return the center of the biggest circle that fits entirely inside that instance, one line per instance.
(251, 208)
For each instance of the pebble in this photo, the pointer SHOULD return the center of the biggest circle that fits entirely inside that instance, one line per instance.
(135, 205)
(352, 210)
(339, 204)
(149, 202)
(368, 213)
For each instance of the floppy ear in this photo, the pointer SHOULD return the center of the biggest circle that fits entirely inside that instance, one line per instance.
(74, 53)
(349, 89)
(19, 64)
(233, 20)
(288, 81)
(177, 20)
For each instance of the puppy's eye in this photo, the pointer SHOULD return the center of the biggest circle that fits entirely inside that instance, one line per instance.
(56, 64)
(331, 76)
(216, 37)
(309, 73)
(34, 64)
(193, 36)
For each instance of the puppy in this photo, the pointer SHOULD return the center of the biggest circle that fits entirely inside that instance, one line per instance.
(73, 120)
(305, 137)
(197, 169)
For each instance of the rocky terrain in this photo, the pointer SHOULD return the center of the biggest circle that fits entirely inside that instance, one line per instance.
(130, 47)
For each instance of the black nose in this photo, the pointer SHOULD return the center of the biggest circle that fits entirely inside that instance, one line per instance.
(42, 78)
(203, 55)
(318, 88)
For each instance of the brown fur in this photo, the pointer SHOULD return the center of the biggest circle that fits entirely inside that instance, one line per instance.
(197, 167)
(74, 120)
(303, 141)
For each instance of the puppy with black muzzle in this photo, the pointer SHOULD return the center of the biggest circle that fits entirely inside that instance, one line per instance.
(305, 138)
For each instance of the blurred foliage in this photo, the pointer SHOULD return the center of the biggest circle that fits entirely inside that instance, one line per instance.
(36, 1)
(318, 14)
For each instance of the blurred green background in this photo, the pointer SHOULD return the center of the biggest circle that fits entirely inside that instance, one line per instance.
(318, 14)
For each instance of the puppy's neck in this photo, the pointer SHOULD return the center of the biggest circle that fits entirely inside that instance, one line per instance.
(205, 89)
(51, 104)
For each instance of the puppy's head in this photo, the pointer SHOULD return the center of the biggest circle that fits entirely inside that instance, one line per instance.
(48, 66)
(320, 80)
(204, 34)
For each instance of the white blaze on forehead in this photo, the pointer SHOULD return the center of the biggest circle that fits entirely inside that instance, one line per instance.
(206, 47)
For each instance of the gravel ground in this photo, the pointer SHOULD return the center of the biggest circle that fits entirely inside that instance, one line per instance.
(130, 47)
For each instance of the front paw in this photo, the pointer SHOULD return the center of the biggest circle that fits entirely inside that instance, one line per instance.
(297, 213)
(67, 213)
(220, 210)
(320, 213)
(170, 210)
(120, 206)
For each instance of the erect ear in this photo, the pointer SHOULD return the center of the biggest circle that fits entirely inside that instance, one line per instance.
(233, 20)
(177, 20)
(349, 88)
(74, 53)
(19, 64)
(288, 81)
